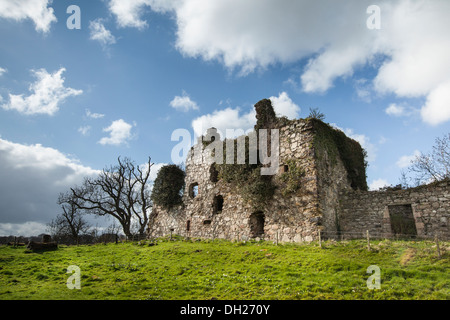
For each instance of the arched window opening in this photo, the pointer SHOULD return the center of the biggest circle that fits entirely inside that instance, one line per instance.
(193, 190)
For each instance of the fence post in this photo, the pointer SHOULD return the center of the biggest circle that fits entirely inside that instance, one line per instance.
(320, 239)
(368, 240)
(437, 246)
(277, 238)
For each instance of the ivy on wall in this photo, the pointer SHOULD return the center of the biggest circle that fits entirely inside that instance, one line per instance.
(168, 186)
(292, 178)
(338, 145)
(256, 189)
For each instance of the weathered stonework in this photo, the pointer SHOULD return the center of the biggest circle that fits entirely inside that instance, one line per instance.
(328, 200)
(430, 204)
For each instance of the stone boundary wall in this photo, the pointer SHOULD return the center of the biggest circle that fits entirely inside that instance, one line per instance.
(369, 210)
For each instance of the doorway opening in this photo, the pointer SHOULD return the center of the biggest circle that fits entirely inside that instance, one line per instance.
(402, 220)
(256, 223)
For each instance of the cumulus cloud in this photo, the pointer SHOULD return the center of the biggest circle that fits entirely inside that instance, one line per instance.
(84, 130)
(35, 10)
(119, 133)
(363, 140)
(284, 106)
(99, 33)
(229, 118)
(437, 107)
(410, 53)
(183, 103)
(94, 115)
(377, 184)
(401, 110)
(395, 110)
(405, 161)
(2, 71)
(33, 176)
(153, 171)
(47, 93)
(363, 89)
(128, 13)
(238, 122)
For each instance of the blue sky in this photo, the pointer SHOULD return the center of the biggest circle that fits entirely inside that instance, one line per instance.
(73, 100)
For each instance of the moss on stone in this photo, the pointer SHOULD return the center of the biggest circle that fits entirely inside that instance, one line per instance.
(338, 145)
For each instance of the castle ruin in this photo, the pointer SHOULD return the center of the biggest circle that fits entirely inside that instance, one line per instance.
(319, 187)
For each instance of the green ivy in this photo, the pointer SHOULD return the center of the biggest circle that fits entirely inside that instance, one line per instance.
(292, 178)
(255, 189)
(338, 145)
(168, 186)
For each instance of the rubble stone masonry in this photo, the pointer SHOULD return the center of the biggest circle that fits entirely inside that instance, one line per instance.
(330, 199)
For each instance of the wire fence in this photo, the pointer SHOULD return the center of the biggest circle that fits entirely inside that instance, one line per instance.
(339, 235)
(69, 240)
(280, 236)
(230, 235)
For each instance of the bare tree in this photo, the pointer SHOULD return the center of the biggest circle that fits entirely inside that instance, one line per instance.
(70, 223)
(120, 191)
(434, 166)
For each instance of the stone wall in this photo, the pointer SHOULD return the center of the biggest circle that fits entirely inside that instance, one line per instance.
(319, 188)
(288, 217)
(360, 211)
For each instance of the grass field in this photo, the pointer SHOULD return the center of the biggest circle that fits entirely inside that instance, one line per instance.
(195, 270)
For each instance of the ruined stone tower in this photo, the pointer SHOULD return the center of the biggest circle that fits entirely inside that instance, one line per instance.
(320, 177)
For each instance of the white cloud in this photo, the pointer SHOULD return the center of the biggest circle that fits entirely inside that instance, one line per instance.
(94, 115)
(36, 10)
(154, 170)
(401, 110)
(337, 61)
(128, 13)
(100, 33)
(84, 130)
(47, 93)
(33, 176)
(377, 184)
(284, 106)
(363, 140)
(239, 123)
(29, 228)
(410, 53)
(262, 32)
(183, 103)
(222, 120)
(395, 110)
(418, 47)
(119, 133)
(437, 107)
(2, 71)
(405, 161)
(363, 89)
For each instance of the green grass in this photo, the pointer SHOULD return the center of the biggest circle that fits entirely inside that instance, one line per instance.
(217, 269)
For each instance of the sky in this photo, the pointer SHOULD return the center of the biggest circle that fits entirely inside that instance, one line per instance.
(83, 82)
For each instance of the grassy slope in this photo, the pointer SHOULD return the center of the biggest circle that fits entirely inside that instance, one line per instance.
(224, 270)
